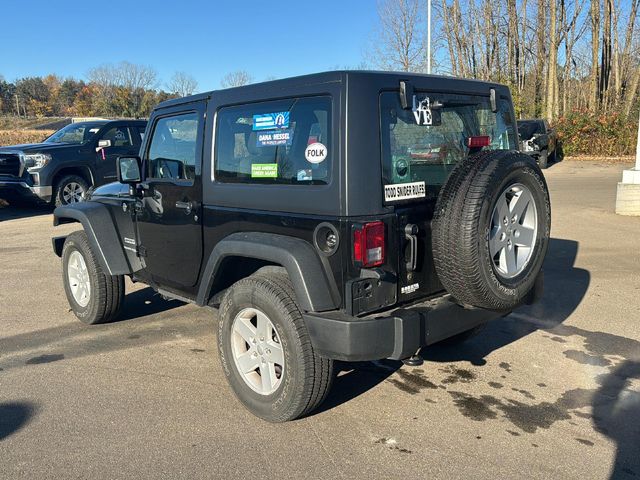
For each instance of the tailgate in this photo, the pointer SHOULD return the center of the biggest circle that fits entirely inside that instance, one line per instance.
(416, 272)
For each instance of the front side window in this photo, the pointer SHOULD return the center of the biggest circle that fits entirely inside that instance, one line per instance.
(172, 152)
(413, 151)
(279, 142)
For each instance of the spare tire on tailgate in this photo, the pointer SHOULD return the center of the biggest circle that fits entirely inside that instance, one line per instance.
(491, 229)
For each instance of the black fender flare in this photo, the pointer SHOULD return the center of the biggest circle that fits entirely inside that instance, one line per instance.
(315, 290)
(101, 232)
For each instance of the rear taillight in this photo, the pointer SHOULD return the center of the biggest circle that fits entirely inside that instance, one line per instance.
(479, 141)
(368, 244)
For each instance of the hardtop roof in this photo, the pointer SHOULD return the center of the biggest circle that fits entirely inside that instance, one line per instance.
(348, 76)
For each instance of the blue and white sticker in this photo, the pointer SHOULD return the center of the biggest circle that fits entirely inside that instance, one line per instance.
(272, 139)
(305, 175)
(269, 121)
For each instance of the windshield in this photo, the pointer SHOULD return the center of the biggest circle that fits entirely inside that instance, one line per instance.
(75, 133)
(415, 152)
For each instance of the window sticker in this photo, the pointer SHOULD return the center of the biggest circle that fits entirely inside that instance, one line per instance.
(404, 191)
(271, 139)
(422, 111)
(305, 175)
(315, 153)
(269, 121)
(93, 130)
(264, 170)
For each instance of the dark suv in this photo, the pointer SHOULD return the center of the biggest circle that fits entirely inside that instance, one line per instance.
(540, 141)
(337, 216)
(61, 169)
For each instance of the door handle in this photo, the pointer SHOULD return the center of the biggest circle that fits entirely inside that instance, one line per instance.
(410, 233)
(186, 206)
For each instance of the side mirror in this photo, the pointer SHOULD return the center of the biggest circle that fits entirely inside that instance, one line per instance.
(103, 144)
(129, 170)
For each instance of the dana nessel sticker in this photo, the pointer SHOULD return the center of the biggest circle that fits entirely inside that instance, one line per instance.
(274, 138)
(404, 191)
(269, 121)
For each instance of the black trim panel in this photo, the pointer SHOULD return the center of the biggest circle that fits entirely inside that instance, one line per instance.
(312, 287)
(101, 232)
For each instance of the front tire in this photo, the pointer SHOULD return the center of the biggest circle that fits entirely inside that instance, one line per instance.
(543, 159)
(70, 189)
(266, 353)
(94, 295)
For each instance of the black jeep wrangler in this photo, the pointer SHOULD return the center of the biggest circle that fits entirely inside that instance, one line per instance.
(337, 216)
(61, 169)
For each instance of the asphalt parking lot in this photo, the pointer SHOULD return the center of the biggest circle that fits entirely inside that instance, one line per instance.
(551, 391)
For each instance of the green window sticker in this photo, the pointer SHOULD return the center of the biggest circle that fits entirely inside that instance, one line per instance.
(264, 170)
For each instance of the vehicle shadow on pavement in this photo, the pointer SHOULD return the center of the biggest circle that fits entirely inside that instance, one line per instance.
(75, 340)
(616, 414)
(355, 378)
(144, 302)
(564, 288)
(14, 416)
(16, 210)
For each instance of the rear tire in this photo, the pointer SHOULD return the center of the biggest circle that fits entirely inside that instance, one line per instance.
(465, 230)
(94, 295)
(260, 325)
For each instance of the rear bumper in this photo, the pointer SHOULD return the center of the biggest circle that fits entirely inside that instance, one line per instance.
(24, 189)
(397, 334)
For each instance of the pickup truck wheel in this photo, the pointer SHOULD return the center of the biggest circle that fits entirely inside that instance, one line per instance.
(265, 350)
(94, 295)
(543, 159)
(70, 189)
(491, 229)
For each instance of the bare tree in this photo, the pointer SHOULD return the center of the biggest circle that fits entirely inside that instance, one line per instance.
(182, 84)
(595, 49)
(399, 42)
(134, 76)
(236, 79)
(124, 74)
(121, 87)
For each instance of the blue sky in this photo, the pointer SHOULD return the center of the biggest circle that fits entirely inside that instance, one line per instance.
(203, 38)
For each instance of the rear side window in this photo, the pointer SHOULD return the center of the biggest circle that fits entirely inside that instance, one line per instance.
(172, 152)
(280, 142)
(119, 137)
(414, 151)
